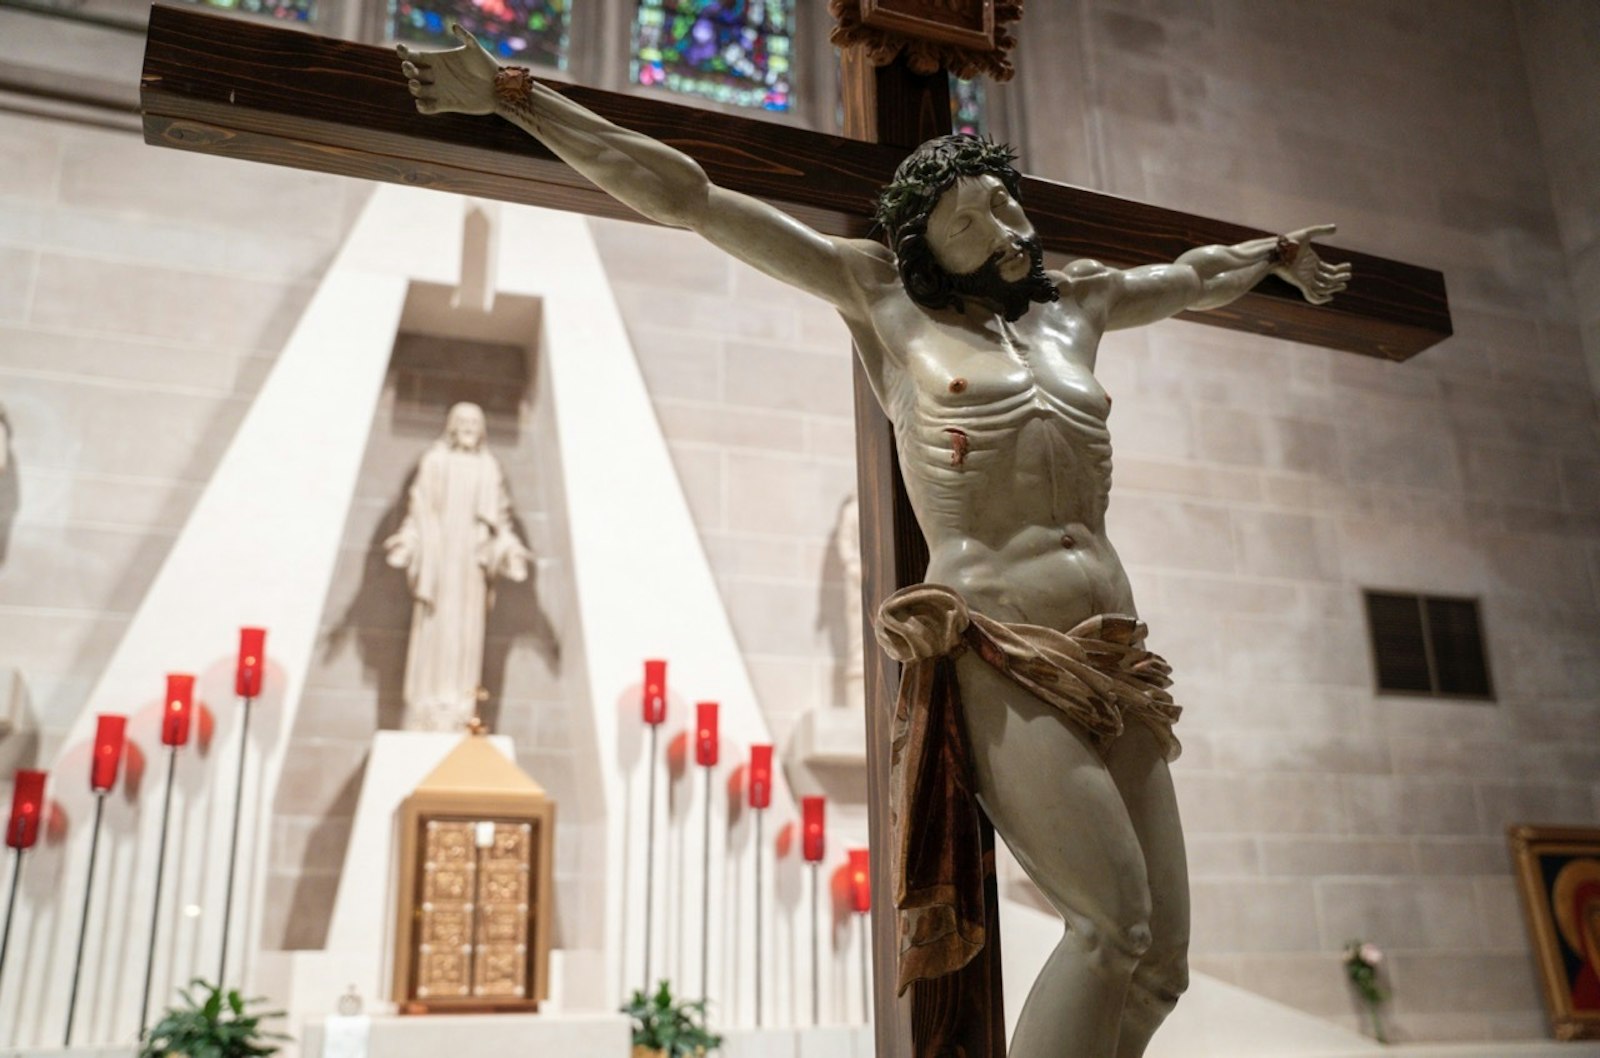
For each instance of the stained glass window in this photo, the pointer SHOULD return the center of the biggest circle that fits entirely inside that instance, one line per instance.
(534, 31)
(730, 51)
(967, 105)
(288, 10)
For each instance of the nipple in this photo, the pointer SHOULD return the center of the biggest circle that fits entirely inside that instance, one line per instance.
(958, 385)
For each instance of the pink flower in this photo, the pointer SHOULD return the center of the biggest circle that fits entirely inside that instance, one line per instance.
(1370, 954)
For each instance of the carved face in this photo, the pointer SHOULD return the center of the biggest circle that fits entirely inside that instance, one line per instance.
(977, 221)
(465, 427)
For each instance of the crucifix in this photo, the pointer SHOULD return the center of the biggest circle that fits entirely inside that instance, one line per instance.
(1002, 341)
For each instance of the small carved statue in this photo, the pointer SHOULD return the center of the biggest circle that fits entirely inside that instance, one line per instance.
(1022, 653)
(457, 537)
(847, 545)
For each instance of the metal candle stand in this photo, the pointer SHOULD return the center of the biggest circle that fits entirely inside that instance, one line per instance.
(175, 712)
(83, 921)
(706, 893)
(155, 900)
(816, 929)
(11, 909)
(22, 830)
(233, 840)
(759, 919)
(105, 762)
(654, 707)
(650, 855)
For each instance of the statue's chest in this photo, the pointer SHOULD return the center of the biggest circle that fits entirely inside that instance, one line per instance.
(1009, 374)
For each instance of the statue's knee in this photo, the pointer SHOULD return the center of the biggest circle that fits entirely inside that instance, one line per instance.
(1163, 975)
(1130, 940)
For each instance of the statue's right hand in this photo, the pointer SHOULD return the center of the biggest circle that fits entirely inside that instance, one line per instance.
(457, 81)
(396, 554)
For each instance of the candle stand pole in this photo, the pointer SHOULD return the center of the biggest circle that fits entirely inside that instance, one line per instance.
(83, 922)
(233, 842)
(155, 902)
(11, 909)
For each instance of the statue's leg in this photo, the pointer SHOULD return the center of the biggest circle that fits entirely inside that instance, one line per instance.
(1139, 768)
(1052, 799)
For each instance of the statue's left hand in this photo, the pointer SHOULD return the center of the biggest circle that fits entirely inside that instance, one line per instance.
(458, 81)
(1318, 280)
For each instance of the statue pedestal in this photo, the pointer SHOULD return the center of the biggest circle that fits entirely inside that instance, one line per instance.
(831, 736)
(363, 911)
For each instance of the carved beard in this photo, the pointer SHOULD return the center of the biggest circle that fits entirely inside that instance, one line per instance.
(1012, 298)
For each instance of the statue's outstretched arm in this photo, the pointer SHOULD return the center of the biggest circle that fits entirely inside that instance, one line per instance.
(656, 180)
(1213, 276)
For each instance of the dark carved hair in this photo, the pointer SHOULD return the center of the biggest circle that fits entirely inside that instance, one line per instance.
(904, 206)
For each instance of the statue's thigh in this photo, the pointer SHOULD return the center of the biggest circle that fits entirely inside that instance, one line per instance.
(1050, 796)
(1138, 766)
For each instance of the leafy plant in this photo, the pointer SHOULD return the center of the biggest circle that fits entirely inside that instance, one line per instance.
(663, 1025)
(1361, 961)
(218, 1026)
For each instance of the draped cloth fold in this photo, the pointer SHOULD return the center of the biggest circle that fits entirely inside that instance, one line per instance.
(1098, 674)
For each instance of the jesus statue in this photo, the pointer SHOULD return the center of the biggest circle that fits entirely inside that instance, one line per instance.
(457, 537)
(1023, 654)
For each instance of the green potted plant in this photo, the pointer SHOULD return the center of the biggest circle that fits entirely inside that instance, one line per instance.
(217, 1026)
(665, 1029)
(1361, 962)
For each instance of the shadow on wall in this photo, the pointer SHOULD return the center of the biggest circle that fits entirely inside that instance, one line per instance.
(311, 907)
(10, 486)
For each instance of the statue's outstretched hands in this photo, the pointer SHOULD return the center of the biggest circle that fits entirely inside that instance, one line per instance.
(457, 81)
(1318, 280)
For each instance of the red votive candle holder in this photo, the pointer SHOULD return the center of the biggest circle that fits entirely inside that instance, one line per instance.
(760, 776)
(860, 881)
(655, 692)
(177, 710)
(705, 734)
(108, 742)
(812, 833)
(27, 809)
(252, 662)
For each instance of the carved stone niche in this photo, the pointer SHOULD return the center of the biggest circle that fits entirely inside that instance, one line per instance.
(473, 915)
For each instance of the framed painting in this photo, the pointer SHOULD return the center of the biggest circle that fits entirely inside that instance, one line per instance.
(1558, 870)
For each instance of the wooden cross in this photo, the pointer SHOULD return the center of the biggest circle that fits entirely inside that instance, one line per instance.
(262, 93)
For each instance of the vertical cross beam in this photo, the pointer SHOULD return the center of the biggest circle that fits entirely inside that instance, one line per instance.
(960, 1013)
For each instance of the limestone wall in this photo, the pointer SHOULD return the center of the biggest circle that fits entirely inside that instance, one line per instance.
(144, 294)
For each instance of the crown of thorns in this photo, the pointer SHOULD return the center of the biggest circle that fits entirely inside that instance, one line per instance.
(932, 168)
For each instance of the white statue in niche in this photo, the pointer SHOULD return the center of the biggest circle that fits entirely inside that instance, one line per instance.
(457, 537)
(847, 545)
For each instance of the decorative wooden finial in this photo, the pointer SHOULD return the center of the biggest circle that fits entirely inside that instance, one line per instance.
(967, 37)
(476, 725)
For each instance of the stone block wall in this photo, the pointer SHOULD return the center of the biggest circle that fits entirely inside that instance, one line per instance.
(144, 295)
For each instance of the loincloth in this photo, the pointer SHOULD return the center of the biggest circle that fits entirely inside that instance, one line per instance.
(1098, 675)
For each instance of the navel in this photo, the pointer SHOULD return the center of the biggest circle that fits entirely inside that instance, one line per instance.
(958, 385)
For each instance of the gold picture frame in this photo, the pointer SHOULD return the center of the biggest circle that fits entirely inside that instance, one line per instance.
(1558, 872)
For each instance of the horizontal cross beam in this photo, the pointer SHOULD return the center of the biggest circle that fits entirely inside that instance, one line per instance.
(264, 93)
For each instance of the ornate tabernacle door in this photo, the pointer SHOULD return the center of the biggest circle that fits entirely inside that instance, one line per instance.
(473, 915)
